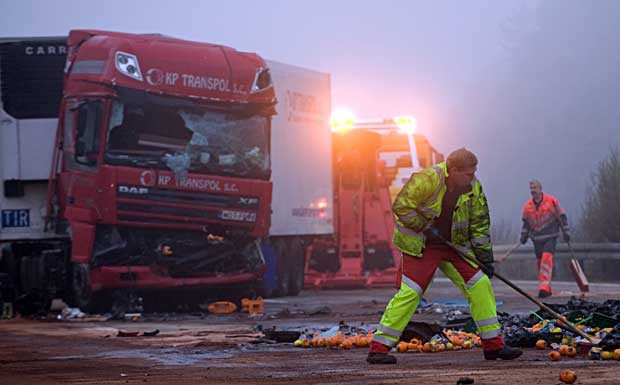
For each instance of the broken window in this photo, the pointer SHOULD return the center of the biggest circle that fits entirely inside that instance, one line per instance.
(186, 137)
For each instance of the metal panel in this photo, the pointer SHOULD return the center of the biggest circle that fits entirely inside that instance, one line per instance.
(36, 145)
(301, 147)
(22, 218)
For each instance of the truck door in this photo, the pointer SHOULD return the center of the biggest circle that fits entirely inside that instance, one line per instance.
(82, 155)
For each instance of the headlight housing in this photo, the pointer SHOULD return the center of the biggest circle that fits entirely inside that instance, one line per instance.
(262, 80)
(127, 64)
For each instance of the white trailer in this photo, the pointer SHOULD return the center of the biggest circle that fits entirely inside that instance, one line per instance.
(301, 163)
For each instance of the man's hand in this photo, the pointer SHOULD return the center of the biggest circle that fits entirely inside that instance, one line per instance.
(566, 236)
(488, 269)
(523, 239)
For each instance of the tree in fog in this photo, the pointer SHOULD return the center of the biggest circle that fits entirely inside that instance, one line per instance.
(549, 109)
(600, 220)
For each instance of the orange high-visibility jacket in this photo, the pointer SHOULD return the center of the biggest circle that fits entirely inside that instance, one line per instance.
(543, 222)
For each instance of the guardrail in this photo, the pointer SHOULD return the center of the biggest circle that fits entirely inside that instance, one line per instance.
(600, 261)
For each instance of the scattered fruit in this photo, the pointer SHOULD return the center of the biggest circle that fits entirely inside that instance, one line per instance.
(554, 355)
(571, 351)
(541, 344)
(568, 376)
(562, 350)
(617, 354)
(402, 347)
(412, 346)
(607, 355)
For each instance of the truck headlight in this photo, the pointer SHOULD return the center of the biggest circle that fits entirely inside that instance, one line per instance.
(127, 64)
(262, 80)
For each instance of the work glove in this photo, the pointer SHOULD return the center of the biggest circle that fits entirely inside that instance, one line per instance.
(523, 239)
(566, 237)
(488, 269)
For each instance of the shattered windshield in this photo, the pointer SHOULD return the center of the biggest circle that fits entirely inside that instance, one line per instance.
(188, 139)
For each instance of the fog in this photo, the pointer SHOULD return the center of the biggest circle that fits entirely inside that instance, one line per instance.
(532, 87)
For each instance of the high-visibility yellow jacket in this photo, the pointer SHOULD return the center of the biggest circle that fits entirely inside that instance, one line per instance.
(418, 204)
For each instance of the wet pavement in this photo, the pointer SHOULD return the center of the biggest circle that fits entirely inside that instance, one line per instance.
(226, 349)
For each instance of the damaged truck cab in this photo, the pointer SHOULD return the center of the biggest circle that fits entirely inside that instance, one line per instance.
(160, 172)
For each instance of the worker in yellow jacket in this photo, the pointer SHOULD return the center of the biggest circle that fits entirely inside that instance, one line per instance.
(449, 198)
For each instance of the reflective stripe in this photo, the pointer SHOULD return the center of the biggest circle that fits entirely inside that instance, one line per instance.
(414, 286)
(474, 280)
(486, 322)
(462, 249)
(460, 225)
(488, 335)
(408, 231)
(541, 283)
(383, 340)
(543, 237)
(408, 217)
(480, 241)
(389, 331)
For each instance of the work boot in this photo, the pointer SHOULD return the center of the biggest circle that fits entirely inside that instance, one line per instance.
(544, 294)
(507, 353)
(381, 358)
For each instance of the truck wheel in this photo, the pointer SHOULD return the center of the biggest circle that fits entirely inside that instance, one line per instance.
(284, 276)
(298, 265)
(81, 294)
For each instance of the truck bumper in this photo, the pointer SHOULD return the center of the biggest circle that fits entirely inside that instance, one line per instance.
(143, 277)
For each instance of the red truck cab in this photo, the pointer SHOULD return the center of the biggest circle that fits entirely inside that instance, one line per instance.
(160, 174)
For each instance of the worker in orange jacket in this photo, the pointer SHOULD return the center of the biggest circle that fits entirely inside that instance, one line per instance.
(543, 218)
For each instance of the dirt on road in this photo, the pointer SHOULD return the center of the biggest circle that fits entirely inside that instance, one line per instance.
(225, 349)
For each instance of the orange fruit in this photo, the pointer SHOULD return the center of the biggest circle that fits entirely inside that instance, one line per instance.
(362, 342)
(411, 346)
(568, 376)
(571, 351)
(426, 348)
(562, 350)
(346, 344)
(541, 344)
(616, 354)
(554, 355)
(402, 347)
(415, 341)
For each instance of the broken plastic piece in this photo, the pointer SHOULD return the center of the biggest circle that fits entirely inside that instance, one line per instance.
(253, 306)
(222, 307)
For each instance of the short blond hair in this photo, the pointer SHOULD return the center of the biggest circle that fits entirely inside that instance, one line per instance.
(461, 158)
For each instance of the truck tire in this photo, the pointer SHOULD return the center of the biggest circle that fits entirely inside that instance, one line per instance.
(280, 248)
(81, 294)
(298, 264)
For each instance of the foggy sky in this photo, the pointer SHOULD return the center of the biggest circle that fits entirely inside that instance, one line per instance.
(461, 67)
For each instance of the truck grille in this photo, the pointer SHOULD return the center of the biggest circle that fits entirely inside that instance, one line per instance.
(191, 197)
(168, 207)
